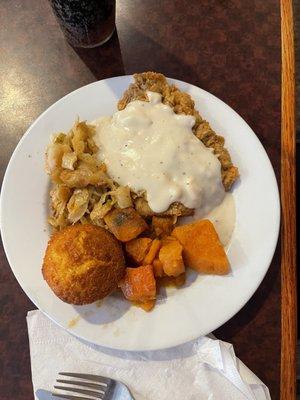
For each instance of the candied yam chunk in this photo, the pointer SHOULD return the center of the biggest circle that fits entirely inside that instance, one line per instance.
(126, 224)
(155, 246)
(158, 268)
(139, 284)
(162, 226)
(177, 281)
(137, 249)
(202, 249)
(147, 306)
(170, 255)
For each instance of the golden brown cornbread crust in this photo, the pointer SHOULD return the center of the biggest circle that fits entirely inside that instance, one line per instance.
(182, 103)
(83, 263)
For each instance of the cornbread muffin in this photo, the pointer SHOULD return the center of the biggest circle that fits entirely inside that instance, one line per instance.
(83, 263)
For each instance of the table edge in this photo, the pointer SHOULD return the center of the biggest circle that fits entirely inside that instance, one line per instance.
(288, 203)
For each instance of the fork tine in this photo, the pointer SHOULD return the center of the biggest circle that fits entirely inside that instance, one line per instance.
(69, 397)
(81, 391)
(96, 378)
(98, 386)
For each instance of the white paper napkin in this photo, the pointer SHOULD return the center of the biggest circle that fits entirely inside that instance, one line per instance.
(203, 369)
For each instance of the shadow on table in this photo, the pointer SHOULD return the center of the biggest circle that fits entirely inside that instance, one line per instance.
(103, 61)
(134, 52)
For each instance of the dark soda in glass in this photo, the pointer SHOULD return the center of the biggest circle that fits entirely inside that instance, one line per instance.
(85, 23)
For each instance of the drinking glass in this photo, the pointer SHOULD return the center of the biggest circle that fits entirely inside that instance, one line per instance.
(85, 23)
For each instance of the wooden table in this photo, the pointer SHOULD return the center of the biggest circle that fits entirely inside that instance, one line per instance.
(232, 48)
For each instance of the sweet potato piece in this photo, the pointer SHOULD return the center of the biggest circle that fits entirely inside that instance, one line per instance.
(168, 239)
(148, 306)
(177, 281)
(162, 226)
(125, 224)
(202, 249)
(139, 284)
(158, 268)
(155, 246)
(137, 249)
(170, 256)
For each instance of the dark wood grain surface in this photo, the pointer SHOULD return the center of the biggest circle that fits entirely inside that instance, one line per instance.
(229, 47)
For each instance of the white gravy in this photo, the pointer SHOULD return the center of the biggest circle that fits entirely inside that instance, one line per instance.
(149, 148)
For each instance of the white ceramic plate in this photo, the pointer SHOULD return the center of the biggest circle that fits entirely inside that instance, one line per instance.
(206, 302)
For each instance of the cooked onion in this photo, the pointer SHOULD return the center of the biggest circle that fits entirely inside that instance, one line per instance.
(82, 191)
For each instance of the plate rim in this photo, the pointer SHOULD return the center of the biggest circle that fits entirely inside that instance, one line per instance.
(275, 229)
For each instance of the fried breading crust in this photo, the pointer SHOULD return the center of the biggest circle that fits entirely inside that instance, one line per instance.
(175, 210)
(182, 103)
(83, 263)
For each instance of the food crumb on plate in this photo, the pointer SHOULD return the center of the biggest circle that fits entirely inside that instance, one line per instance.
(73, 321)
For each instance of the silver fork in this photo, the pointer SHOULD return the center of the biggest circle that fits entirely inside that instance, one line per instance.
(93, 386)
